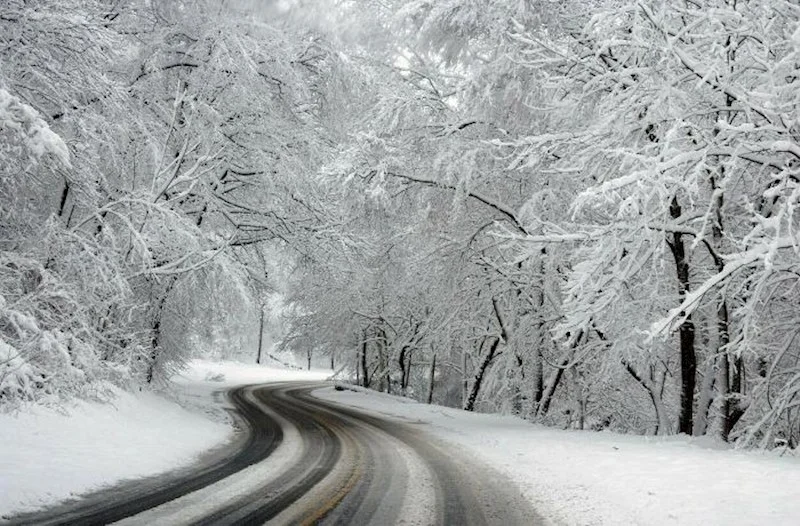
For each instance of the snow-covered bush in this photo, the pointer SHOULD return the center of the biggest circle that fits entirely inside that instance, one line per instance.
(24, 135)
(47, 347)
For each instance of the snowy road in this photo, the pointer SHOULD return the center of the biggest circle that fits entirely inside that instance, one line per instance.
(308, 461)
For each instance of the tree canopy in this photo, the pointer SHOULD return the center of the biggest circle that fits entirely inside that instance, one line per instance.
(579, 212)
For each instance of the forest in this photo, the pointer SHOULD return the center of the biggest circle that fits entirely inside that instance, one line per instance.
(580, 212)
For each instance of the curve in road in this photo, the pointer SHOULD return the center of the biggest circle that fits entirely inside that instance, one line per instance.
(307, 461)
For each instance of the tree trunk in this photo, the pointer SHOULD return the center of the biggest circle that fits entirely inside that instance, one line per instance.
(663, 426)
(383, 362)
(731, 378)
(688, 357)
(405, 356)
(547, 394)
(401, 362)
(537, 362)
(358, 363)
(538, 379)
(64, 195)
(260, 336)
(555, 379)
(464, 377)
(364, 371)
(469, 405)
(730, 388)
(728, 405)
(705, 399)
(432, 378)
(581, 401)
(155, 351)
(488, 358)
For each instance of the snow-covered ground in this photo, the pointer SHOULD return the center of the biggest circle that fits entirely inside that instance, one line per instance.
(587, 478)
(48, 455)
(218, 375)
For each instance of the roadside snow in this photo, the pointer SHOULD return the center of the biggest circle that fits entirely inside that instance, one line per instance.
(47, 455)
(229, 374)
(587, 478)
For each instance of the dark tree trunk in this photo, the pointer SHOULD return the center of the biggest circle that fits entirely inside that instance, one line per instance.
(64, 195)
(404, 358)
(155, 352)
(432, 378)
(547, 395)
(730, 381)
(383, 365)
(155, 345)
(364, 371)
(260, 336)
(725, 380)
(688, 356)
(537, 364)
(487, 359)
(479, 375)
(538, 377)
(358, 364)
(555, 379)
(732, 374)
(401, 362)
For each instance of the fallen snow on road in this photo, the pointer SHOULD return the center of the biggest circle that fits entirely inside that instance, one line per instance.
(587, 478)
(49, 455)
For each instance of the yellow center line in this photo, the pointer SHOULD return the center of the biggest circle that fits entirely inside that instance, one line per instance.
(355, 474)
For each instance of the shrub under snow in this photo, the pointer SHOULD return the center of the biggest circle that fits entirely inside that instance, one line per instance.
(46, 347)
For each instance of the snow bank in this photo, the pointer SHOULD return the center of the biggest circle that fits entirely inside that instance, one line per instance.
(49, 455)
(604, 478)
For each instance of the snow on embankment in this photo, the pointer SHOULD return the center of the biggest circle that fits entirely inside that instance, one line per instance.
(49, 455)
(585, 478)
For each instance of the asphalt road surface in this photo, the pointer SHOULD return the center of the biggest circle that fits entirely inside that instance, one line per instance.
(301, 460)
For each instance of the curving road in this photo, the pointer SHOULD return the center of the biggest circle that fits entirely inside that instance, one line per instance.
(307, 461)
